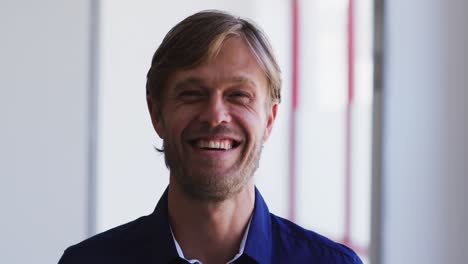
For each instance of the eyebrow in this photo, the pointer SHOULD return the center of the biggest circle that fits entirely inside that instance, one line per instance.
(192, 80)
(188, 81)
(242, 79)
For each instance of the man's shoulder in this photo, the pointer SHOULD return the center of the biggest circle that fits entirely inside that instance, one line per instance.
(306, 244)
(110, 245)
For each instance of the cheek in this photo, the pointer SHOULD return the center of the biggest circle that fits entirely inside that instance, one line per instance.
(182, 122)
(254, 122)
(173, 124)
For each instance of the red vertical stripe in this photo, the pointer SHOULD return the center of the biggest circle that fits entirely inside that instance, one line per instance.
(350, 33)
(295, 55)
(295, 88)
(349, 131)
(348, 136)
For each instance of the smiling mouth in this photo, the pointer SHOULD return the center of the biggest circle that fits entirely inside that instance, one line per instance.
(215, 144)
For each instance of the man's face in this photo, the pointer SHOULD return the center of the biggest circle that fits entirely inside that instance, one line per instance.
(213, 121)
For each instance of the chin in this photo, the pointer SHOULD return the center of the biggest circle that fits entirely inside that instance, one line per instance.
(213, 186)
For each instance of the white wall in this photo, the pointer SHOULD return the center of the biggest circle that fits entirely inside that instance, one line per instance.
(43, 134)
(272, 178)
(425, 128)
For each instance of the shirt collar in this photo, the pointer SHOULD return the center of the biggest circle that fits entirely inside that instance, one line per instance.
(257, 237)
(241, 247)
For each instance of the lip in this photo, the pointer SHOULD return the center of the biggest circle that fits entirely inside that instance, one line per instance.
(235, 140)
(214, 137)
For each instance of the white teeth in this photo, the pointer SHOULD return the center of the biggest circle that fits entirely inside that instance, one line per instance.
(214, 144)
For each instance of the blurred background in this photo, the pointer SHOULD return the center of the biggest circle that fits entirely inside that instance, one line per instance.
(369, 148)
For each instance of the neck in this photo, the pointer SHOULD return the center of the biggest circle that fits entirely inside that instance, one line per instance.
(210, 231)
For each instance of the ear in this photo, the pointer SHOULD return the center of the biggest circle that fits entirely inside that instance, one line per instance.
(271, 116)
(156, 117)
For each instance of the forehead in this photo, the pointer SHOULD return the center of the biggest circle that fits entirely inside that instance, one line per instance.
(234, 62)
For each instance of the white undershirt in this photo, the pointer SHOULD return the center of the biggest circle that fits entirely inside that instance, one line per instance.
(196, 261)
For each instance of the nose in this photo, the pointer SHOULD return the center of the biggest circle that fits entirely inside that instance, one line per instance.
(215, 111)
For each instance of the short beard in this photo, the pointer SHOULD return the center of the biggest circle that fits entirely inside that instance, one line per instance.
(209, 185)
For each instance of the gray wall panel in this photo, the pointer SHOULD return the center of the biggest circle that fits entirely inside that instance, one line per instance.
(44, 62)
(425, 128)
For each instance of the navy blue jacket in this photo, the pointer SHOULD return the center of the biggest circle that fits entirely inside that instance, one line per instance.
(271, 239)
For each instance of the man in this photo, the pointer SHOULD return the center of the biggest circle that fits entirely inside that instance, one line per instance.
(213, 91)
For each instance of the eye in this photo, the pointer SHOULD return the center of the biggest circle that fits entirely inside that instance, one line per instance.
(240, 96)
(190, 95)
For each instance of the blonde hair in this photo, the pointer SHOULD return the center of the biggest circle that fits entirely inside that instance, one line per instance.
(198, 38)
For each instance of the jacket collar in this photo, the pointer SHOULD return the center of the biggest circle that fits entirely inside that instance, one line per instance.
(258, 245)
(163, 247)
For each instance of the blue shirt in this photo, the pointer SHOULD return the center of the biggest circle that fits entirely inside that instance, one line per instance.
(271, 239)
